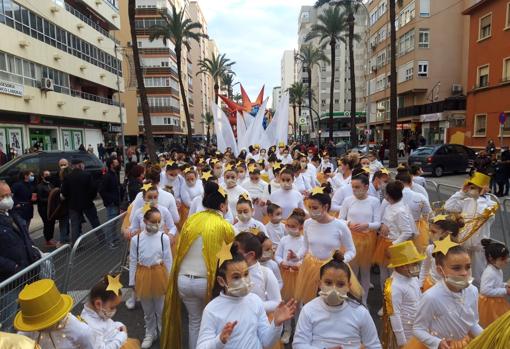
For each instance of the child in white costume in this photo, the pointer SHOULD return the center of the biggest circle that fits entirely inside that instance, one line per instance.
(245, 211)
(275, 228)
(287, 197)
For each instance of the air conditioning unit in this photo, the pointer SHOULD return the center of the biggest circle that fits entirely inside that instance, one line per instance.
(47, 84)
(456, 88)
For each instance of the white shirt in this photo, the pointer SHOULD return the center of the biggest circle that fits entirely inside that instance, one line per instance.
(73, 335)
(375, 193)
(428, 266)
(288, 200)
(152, 250)
(417, 204)
(443, 314)
(233, 196)
(189, 193)
(338, 198)
(363, 211)
(311, 170)
(176, 184)
(239, 227)
(348, 325)
(301, 183)
(260, 191)
(375, 166)
(492, 284)
(193, 262)
(253, 330)
(286, 160)
(271, 265)
(288, 243)
(106, 332)
(338, 181)
(274, 185)
(324, 166)
(197, 206)
(166, 220)
(399, 221)
(420, 180)
(419, 189)
(321, 240)
(255, 157)
(265, 285)
(405, 295)
(164, 199)
(275, 232)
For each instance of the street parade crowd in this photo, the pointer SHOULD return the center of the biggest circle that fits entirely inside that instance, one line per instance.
(276, 247)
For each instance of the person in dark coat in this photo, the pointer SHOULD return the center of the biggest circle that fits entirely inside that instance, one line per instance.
(135, 181)
(111, 193)
(22, 194)
(43, 191)
(80, 190)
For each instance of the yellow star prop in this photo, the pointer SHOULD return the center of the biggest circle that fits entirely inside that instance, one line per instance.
(201, 161)
(229, 167)
(240, 163)
(114, 284)
(187, 170)
(444, 245)
(224, 254)
(222, 192)
(245, 196)
(206, 175)
(146, 207)
(317, 190)
(438, 218)
(366, 169)
(254, 231)
(277, 166)
(146, 186)
(251, 168)
(384, 171)
(214, 161)
(169, 163)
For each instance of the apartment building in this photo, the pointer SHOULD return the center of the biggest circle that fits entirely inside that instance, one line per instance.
(60, 74)
(277, 96)
(288, 66)
(431, 44)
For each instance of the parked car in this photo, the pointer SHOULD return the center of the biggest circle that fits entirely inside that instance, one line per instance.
(443, 158)
(48, 160)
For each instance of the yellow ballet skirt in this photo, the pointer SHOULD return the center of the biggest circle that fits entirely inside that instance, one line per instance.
(278, 344)
(321, 178)
(151, 282)
(131, 343)
(365, 243)
(414, 343)
(183, 214)
(125, 222)
(380, 257)
(490, 309)
(422, 240)
(427, 283)
(289, 277)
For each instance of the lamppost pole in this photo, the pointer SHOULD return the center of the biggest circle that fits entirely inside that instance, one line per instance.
(123, 140)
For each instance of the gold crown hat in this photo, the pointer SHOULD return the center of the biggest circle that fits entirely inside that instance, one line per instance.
(404, 253)
(41, 306)
(479, 179)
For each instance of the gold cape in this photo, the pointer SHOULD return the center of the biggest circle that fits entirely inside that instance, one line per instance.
(16, 341)
(388, 340)
(214, 230)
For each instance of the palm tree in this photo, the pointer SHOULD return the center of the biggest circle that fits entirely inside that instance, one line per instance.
(238, 98)
(309, 57)
(330, 30)
(297, 92)
(180, 31)
(144, 103)
(216, 67)
(208, 121)
(227, 80)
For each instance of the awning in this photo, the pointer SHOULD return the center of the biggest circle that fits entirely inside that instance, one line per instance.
(433, 117)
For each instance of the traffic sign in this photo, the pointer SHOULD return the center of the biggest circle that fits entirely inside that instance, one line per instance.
(302, 121)
(502, 118)
(347, 113)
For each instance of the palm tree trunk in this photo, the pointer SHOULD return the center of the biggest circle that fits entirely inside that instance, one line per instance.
(208, 134)
(295, 123)
(309, 71)
(216, 92)
(393, 88)
(354, 133)
(189, 136)
(144, 103)
(331, 88)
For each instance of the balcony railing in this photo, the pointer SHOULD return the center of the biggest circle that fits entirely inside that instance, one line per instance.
(457, 103)
(162, 129)
(90, 22)
(161, 109)
(92, 97)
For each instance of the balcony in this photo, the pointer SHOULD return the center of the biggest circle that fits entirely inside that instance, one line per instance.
(162, 90)
(94, 98)
(151, 11)
(90, 22)
(162, 109)
(162, 129)
(451, 103)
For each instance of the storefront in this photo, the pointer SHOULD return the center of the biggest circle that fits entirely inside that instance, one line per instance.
(435, 126)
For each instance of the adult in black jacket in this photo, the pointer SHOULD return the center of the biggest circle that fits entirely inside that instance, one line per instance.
(22, 192)
(43, 191)
(111, 192)
(80, 190)
(135, 181)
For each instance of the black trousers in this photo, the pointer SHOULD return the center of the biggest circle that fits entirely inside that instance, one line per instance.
(49, 226)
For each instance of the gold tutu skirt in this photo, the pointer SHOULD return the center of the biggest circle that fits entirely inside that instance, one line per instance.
(427, 283)
(491, 308)
(151, 282)
(380, 256)
(289, 277)
(183, 214)
(131, 343)
(414, 343)
(422, 239)
(365, 245)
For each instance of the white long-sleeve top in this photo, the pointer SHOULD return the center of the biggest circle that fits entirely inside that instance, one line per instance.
(363, 211)
(73, 334)
(399, 221)
(375, 166)
(288, 243)
(419, 189)
(152, 249)
(443, 314)
(311, 171)
(239, 227)
(176, 184)
(286, 160)
(428, 266)
(189, 193)
(258, 190)
(273, 186)
(322, 326)
(166, 220)
(271, 265)
(197, 206)
(233, 196)
(492, 284)
(339, 197)
(265, 285)
(420, 180)
(275, 232)
(253, 330)
(301, 183)
(338, 181)
(418, 204)
(321, 240)
(165, 199)
(106, 331)
(288, 200)
(375, 193)
(405, 295)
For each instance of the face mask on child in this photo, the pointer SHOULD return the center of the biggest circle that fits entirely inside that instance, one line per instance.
(333, 296)
(240, 287)
(316, 214)
(266, 255)
(458, 282)
(293, 231)
(230, 183)
(473, 193)
(276, 219)
(414, 270)
(106, 314)
(286, 186)
(152, 228)
(244, 217)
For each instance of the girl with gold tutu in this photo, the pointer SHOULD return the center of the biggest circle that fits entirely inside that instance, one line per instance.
(191, 189)
(493, 290)
(150, 261)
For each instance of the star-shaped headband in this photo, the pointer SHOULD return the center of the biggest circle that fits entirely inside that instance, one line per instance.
(229, 167)
(213, 161)
(146, 186)
(444, 245)
(224, 253)
(277, 166)
(384, 171)
(201, 161)
(245, 196)
(146, 207)
(439, 218)
(317, 190)
(206, 175)
(114, 284)
(222, 192)
(254, 231)
(252, 168)
(187, 170)
(240, 163)
(170, 162)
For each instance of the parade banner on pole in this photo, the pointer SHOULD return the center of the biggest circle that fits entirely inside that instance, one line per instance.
(225, 136)
(241, 132)
(277, 131)
(256, 133)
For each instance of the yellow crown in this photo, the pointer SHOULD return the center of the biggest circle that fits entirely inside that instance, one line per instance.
(404, 253)
(281, 145)
(480, 180)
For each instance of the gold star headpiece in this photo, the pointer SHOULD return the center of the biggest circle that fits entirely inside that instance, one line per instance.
(206, 175)
(444, 245)
(114, 284)
(224, 253)
(317, 190)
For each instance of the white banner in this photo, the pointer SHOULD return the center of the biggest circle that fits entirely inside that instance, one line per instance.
(277, 131)
(224, 135)
(11, 88)
(241, 132)
(256, 133)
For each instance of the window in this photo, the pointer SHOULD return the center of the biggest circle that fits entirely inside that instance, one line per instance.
(405, 72)
(406, 15)
(506, 69)
(480, 125)
(506, 125)
(507, 23)
(485, 29)
(423, 69)
(423, 38)
(406, 43)
(424, 8)
(483, 76)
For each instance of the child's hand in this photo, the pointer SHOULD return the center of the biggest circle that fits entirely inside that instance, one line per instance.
(227, 331)
(284, 312)
(291, 255)
(443, 345)
(127, 234)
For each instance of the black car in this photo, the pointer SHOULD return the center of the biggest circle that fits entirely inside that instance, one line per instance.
(48, 160)
(439, 159)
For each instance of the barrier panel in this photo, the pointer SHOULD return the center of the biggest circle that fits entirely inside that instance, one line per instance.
(52, 265)
(433, 190)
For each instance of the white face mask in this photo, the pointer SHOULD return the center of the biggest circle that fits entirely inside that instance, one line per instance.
(276, 219)
(286, 186)
(414, 270)
(106, 314)
(303, 165)
(316, 214)
(217, 172)
(333, 296)
(240, 287)
(244, 217)
(230, 183)
(171, 179)
(152, 228)
(6, 204)
(359, 193)
(266, 255)
(473, 193)
(292, 231)
(241, 176)
(458, 282)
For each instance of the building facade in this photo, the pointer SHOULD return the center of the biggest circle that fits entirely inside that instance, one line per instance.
(59, 74)
(277, 96)
(488, 93)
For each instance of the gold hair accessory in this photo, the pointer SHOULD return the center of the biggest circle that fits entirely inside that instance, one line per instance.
(114, 284)
(222, 192)
(251, 168)
(187, 170)
(254, 231)
(444, 245)
(245, 196)
(439, 218)
(224, 253)
(229, 167)
(170, 162)
(213, 161)
(206, 175)
(277, 166)
(146, 207)
(384, 171)
(317, 190)
(146, 186)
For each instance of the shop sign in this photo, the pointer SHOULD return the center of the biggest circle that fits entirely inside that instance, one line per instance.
(114, 128)
(11, 88)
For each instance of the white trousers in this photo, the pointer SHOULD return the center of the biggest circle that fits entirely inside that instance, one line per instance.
(152, 312)
(193, 292)
(363, 275)
(478, 265)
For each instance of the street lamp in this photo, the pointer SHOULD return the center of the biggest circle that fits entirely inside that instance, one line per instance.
(320, 132)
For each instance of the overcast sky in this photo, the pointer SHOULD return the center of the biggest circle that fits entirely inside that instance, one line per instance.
(254, 34)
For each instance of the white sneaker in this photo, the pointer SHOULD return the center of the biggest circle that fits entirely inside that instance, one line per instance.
(380, 312)
(286, 337)
(147, 342)
(131, 301)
